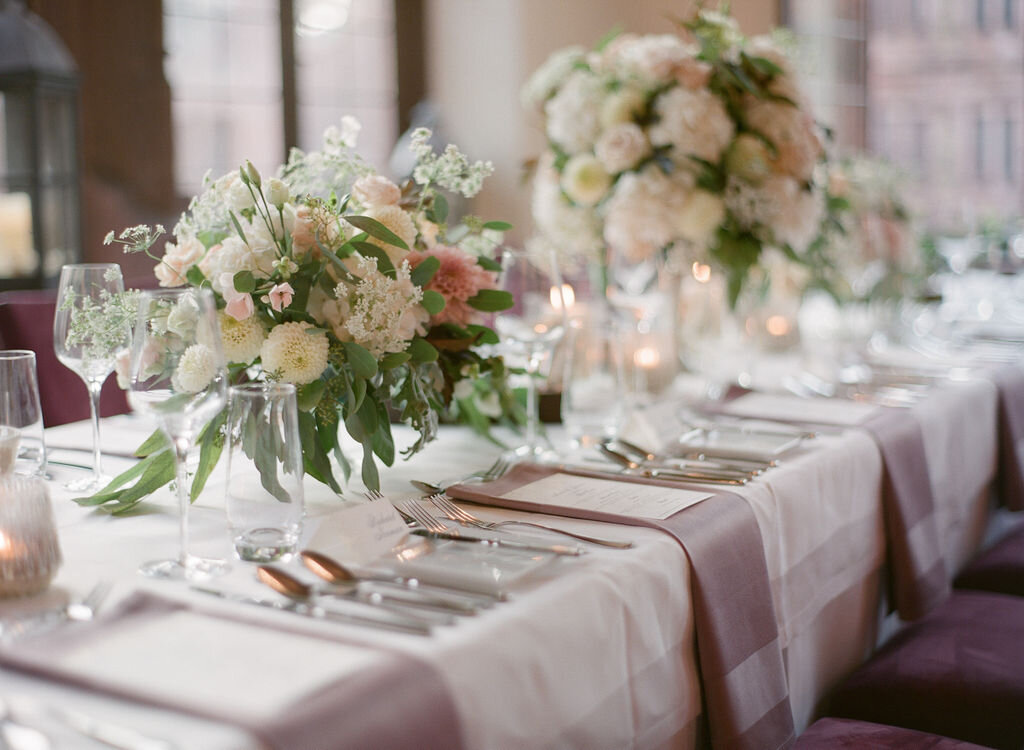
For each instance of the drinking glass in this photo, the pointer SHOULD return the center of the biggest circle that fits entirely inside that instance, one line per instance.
(532, 329)
(179, 378)
(21, 418)
(87, 337)
(264, 489)
(593, 387)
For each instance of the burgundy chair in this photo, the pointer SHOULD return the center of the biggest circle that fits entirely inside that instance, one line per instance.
(999, 568)
(957, 672)
(850, 734)
(26, 322)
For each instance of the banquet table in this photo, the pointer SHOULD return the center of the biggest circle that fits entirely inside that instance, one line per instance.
(591, 652)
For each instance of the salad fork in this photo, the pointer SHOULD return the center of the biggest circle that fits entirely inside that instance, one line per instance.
(456, 513)
(496, 471)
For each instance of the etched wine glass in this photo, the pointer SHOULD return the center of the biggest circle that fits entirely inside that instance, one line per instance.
(90, 329)
(179, 378)
(532, 329)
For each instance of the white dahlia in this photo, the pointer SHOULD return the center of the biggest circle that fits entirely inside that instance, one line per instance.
(294, 356)
(241, 339)
(196, 368)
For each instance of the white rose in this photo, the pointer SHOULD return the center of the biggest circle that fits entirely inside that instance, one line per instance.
(585, 180)
(620, 147)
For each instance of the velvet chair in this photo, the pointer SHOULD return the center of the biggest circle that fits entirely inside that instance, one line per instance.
(957, 672)
(999, 568)
(850, 734)
(26, 322)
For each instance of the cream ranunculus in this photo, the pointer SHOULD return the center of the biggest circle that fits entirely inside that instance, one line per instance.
(620, 147)
(399, 222)
(585, 180)
(376, 190)
(294, 356)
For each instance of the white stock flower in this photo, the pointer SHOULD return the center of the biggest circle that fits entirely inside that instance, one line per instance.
(620, 147)
(196, 368)
(585, 180)
(573, 113)
(238, 195)
(241, 339)
(694, 123)
(292, 355)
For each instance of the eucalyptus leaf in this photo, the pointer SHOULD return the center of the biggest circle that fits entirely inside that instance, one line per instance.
(155, 442)
(244, 282)
(421, 350)
(393, 360)
(238, 227)
(309, 395)
(439, 209)
(364, 364)
(375, 229)
(424, 272)
(158, 472)
(491, 300)
(488, 264)
(433, 302)
(211, 445)
(369, 473)
(497, 226)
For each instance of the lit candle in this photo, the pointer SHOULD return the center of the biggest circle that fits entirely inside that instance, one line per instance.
(17, 255)
(777, 325)
(11, 549)
(701, 272)
(646, 357)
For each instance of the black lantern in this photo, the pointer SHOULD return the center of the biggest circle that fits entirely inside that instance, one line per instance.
(40, 222)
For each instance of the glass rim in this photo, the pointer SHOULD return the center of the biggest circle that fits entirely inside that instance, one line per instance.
(90, 265)
(12, 354)
(263, 389)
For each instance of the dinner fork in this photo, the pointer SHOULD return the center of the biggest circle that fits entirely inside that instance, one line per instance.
(456, 513)
(496, 471)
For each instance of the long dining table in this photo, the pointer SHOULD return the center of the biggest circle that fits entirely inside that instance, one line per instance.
(594, 651)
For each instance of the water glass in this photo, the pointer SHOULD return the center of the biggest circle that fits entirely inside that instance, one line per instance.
(593, 386)
(264, 488)
(21, 413)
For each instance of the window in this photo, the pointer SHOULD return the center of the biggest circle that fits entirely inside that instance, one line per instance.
(1009, 141)
(224, 67)
(979, 148)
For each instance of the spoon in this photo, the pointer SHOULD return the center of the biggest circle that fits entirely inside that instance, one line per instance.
(285, 583)
(714, 466)
(334, 572)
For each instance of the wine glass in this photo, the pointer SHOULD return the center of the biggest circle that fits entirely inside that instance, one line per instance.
(179, 378)
(534, 326)
(89, 332)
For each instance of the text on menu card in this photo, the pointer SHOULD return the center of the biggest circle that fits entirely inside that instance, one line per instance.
(630, 499)
(360, 533)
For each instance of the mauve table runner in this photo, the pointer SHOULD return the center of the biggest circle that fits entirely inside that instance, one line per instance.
(1009, 383)
(399, 702)
(746, 697)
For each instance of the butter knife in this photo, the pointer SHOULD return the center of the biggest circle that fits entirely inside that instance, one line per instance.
(459, 536)
(379, 619)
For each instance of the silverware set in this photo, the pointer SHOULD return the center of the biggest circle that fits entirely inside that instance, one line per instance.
(76, 610)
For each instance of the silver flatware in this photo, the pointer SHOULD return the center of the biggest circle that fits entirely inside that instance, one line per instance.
(463, 516)
(629, 466)
(495, 471)
(373, 619)
(80, 610)
(333, 571)
(434, 529)
(720, 466)
(285, 583)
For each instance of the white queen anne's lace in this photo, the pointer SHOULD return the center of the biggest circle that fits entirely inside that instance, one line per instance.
(385, 313)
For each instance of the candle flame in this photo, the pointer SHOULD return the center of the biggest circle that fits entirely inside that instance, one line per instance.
(646, 357)
(5, 543)
(566, 297)
(777, 325)
(701, 272)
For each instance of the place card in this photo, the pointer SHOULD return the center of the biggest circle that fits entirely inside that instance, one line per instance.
(829, 411)
(360, 533)
(630, 499)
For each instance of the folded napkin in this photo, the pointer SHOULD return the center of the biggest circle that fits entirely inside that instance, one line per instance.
(746, 697)
(1009, 383)
(290, 688)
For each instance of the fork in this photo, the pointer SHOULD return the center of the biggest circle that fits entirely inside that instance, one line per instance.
(74, 611)
(497, 470)
(456, 513)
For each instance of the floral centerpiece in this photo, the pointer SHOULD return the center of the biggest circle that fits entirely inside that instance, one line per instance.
(699, 148)
(355, 289)
(874, 252)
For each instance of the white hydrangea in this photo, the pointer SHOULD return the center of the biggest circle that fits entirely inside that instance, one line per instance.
(790, 130)
(385, 313)
(585, 180)
(694, 123)
(574, 113)
(549, 76)
(778, 210)
(574, 232)
(197, 366)
(293, 355)
(641, 215)
(241, 339)
(233, 255)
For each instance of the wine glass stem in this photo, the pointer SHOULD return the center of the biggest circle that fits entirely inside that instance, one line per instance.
(94, 408)
(532, 413)
(181, 483)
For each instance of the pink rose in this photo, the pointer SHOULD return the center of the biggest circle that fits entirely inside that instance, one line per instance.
(171, 269)
(280, 296)
(376, 190)
(458, 278)
(239, 304)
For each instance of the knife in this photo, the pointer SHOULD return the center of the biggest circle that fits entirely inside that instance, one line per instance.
(380, 619)
(458, 536)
